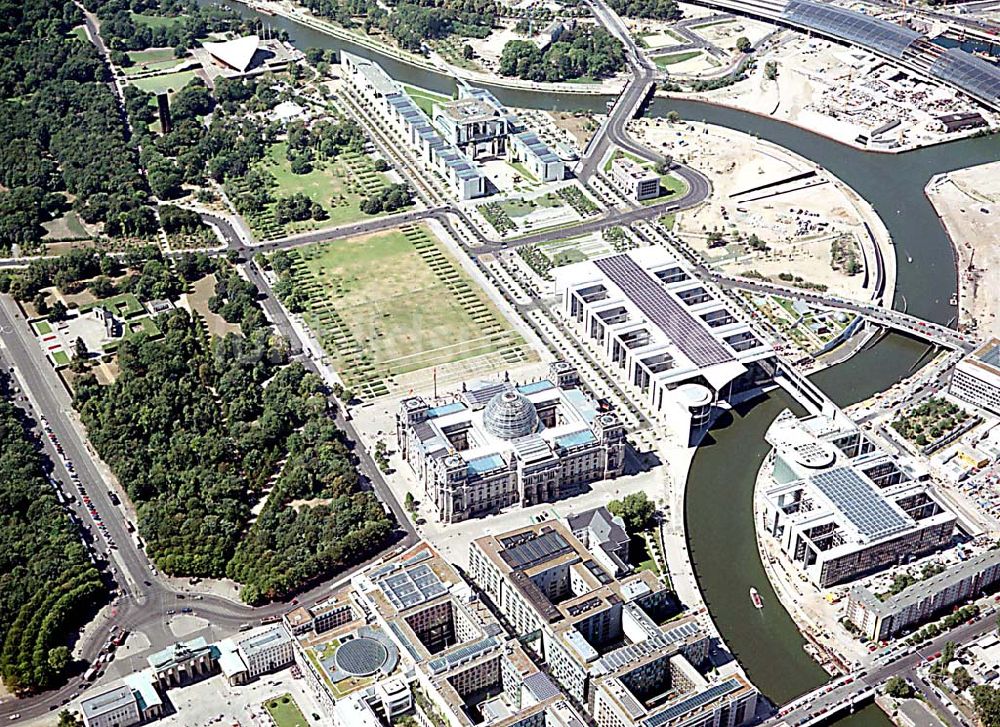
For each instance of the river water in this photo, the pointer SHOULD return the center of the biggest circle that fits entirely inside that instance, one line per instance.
(719, 507)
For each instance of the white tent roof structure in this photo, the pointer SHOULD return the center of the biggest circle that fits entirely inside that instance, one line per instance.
(236, 53)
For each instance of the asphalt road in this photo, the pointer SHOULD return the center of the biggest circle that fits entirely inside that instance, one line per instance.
(144, 598)
(902, 664)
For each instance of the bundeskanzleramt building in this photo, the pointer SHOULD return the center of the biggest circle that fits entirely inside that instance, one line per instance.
(472, 127)
(976, 378)
(386, 100)
(840, 507)
(672, 339)
(883, 619)
(495, 444)
(608, 641)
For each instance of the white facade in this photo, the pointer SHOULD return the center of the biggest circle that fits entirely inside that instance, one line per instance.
(378, 94)
(976, 378)
(116, 707)
(635, 180)
(660, 328)
(265, 650)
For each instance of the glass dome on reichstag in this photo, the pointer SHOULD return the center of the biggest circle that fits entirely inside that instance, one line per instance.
(509, 415)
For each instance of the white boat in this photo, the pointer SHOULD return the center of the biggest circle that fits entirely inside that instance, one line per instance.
(755, 598)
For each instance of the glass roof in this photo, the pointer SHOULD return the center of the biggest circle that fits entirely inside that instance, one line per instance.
(854, 27)
(973, 75)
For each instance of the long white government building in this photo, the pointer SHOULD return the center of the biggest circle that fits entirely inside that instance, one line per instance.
(465, 130)
(672, 339)
(839, 506)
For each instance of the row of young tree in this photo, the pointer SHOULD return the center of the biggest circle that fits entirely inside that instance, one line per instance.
(583, 51)
(196, 430)
(48, 587)
(61, 131)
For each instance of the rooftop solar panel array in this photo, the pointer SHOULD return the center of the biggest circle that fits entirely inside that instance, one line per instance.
(859, 502)
(691, 703)
(546, 546)
(849, 25)
(412, 587)
(421, 126)
(463, 654)
(975, 76)
(664, 311)
(633, 653)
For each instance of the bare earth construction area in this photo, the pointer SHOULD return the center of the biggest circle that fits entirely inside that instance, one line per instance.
(394, 303)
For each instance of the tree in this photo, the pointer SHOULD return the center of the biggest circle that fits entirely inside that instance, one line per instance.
(635, 509)
(380, 165)
(986, 700)
(771, 70)
(80, 348)
(663, 166)
(468, 52)
(58, 311)
(68, 719)
(41, 303)
(673, 117)
(961, 679)
(898, 688)
(743, 44)
(409, 503)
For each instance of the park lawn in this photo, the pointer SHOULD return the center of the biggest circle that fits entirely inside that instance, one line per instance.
(80, 32)
(124, 305)
(156, 21)
(425, 99)
(67, 227)
(167, 83)
(285, 712)
(668, 220)
(337, 184)
(522, 208)
(154, 59)
(43, 327)
(61, 358)
(396, 302)
(671, 59)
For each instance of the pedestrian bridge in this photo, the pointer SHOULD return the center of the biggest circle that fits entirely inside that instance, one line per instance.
(888, 318)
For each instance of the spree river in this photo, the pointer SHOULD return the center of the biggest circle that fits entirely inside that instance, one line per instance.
(719, 507)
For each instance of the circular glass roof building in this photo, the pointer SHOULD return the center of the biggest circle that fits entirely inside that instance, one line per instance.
(509, 415)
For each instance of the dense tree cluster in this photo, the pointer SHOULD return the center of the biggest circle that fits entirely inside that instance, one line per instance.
(315, 521)
(655, 9)
(61, 130)
(121, 31)
(235, 300)
(195, 432)
(293, 297)
(414, 22)
(48, 588)
(583, 51)
(391, 198)
(636, 510)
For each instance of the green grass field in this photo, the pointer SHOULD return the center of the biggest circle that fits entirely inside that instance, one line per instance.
(155, 21)
(154, 59)
(125, 305)
(169, 82)
(395, 302)
(285, 712)
(425, 99)
(337, 184)
(61, 358)
(671, 59)
(80, 32)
